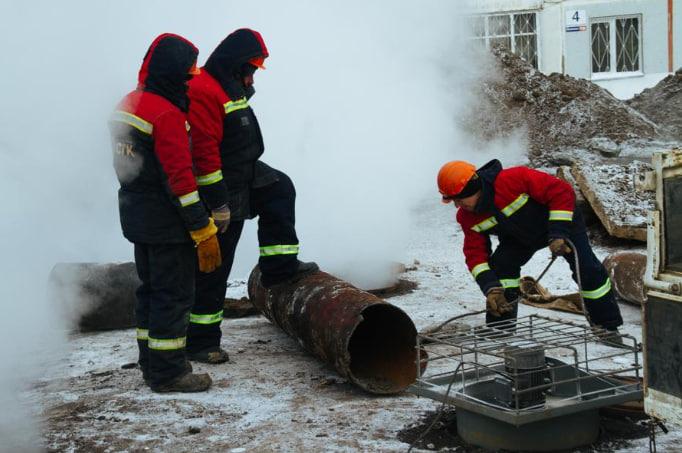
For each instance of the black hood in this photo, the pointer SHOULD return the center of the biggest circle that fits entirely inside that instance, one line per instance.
(488, 173)
(227, 62)
(165, 69)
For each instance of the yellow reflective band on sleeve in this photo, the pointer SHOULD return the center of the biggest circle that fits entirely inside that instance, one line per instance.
(188, 199)
(211, 178)
(510, 282)
(212, 318)
(485, 225)
(508, 210)
(273, 250)
(480, 268)
(142, 334)
(561, 215)
(132, 120)
(167, 344)
(515, 205)
(602, 291)
(232, 106)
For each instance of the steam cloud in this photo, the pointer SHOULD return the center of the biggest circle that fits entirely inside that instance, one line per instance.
(358, 106)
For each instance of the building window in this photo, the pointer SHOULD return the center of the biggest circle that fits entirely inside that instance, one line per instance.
(616, 44)
(515, 31)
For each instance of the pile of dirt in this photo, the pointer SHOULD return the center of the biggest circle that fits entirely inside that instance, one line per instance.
(662, 104)
(557, 111)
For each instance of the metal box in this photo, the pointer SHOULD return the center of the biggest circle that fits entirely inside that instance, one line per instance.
(662, 311)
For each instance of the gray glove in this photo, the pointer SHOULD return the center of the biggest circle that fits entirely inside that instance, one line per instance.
(221, 217)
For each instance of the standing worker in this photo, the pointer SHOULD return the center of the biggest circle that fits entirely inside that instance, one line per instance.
(528, 210)
(160, 211)
(224, 125)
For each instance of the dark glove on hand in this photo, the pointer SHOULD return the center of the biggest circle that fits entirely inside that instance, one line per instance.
(221, 216)
(496, 303)
(559, 247)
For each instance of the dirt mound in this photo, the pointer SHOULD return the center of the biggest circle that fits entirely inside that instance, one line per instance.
(557, 111)
(662, 104)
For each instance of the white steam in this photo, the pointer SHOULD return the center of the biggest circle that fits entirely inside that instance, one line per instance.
(358, 105)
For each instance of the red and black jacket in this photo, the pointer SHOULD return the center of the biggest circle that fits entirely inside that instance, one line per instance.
(158, 198)
(223, 124)
(517, 204)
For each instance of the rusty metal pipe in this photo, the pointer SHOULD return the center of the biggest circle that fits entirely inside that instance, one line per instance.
(369, 341)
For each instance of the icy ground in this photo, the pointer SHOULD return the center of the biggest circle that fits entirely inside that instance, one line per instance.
(272, 396)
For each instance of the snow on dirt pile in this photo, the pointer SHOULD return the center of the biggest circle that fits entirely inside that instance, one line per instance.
(558, 111)
(662, 104)
(615, 183)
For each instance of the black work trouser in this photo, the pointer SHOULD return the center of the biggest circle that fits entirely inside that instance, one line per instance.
(600, 302)
(164, 300)
(207, 313)
(275, 206)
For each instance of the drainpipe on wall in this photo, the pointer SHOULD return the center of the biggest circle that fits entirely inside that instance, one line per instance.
(559, 4)
(670, 36)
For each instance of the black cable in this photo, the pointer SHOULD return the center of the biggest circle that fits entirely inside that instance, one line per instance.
(440, 411)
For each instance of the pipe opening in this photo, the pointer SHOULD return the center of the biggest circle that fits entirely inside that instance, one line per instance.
(382, 350)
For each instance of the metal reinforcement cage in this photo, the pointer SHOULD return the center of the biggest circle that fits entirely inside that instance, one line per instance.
(520, 378)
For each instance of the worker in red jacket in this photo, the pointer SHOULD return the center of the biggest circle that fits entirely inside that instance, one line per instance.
(225, 130)
(527, 210)
(160, 211)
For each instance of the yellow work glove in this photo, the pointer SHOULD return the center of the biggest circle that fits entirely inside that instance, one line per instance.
(496, 303)
(221, 216)
(559, 247)
(208, 249)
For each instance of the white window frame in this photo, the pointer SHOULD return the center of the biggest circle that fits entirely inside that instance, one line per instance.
(613, 55)
(512, 32)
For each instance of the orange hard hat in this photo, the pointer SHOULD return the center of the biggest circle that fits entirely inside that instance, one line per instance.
(453, 177)
(258, 62)
(194, 70)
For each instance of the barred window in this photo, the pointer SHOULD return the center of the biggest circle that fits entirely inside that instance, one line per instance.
(616, 44)
(515, 31)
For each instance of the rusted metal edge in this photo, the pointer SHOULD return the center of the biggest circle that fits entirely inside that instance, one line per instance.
(369, 341)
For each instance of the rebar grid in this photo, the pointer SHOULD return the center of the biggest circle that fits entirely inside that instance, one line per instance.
(500, 350)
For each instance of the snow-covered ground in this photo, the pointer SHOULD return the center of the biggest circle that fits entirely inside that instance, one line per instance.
(272, 396)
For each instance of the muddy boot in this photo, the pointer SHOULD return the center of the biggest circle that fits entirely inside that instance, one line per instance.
(303, 270)
(211, 356)
(611, 337)
(187, 383)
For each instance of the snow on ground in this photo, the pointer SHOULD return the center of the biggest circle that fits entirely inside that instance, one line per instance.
(273, 396)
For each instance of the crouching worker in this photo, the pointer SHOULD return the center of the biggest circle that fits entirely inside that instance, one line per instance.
(160, 211)
(527, 210)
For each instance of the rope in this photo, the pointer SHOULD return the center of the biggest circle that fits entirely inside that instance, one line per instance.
(579, 281)
(440, 410)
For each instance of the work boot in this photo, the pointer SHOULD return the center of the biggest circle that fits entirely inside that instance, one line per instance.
(212, 356)
(303, 270)
(610, 337)
(186, 383)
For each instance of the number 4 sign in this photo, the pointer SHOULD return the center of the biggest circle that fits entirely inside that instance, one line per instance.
(576, 20)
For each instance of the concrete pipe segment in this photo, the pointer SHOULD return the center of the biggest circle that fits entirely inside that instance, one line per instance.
(369, 341)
